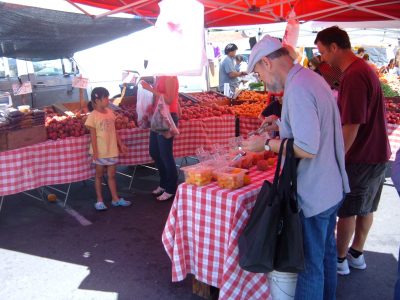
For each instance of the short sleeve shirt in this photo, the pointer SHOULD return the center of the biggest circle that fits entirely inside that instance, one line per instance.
(104, 123)
(311, 117)
(161, 87)
(227, 66)
(361, 101)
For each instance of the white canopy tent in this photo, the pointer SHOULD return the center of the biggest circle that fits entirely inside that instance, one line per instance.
(373, 33)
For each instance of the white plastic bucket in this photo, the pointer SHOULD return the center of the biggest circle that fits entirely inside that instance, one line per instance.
(282, 285)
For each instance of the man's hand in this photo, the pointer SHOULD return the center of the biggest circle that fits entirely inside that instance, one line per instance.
(269, 123)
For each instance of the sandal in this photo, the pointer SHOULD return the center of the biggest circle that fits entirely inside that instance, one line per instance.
(158, 191)
(100, 206)
(165, 197)
(121, 202)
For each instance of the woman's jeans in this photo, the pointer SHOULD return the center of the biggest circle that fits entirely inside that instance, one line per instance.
(319, 279)
(161, 151)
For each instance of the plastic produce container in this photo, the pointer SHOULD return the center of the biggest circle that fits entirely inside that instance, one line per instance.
(230, 178)
(198, 174)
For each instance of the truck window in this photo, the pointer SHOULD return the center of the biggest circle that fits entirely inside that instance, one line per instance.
(8, 67)
(48, 67)
(68, 67)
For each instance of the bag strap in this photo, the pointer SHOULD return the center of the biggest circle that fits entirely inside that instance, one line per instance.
(278, 165)
(290, 183)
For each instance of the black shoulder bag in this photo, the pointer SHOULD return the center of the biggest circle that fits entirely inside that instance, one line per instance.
(272, 238)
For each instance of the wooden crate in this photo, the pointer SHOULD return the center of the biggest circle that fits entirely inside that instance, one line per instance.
(67, 108)
(204, 290)
(22, 137)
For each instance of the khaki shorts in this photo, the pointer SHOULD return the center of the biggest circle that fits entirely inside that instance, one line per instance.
(366, 183)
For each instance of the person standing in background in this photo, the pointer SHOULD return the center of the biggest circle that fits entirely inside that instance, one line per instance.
(241, 64)
(360, 52)
(160, 146)
(362, 110)
(227, 71)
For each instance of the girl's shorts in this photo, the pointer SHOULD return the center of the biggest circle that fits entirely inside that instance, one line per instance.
(106, 161)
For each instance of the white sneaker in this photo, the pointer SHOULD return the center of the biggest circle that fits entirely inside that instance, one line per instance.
(343, 268)
(356, 263)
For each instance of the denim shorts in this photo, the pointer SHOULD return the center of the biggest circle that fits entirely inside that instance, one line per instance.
(110, 161)
(366, 183)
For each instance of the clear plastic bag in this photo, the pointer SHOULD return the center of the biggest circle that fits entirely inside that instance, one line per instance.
(292, 31)
(162, 121)
(181, 34)
(144, 107)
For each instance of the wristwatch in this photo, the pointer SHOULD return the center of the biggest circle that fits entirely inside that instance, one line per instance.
(267, 147)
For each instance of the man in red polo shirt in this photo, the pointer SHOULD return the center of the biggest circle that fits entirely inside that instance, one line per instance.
(362, 110)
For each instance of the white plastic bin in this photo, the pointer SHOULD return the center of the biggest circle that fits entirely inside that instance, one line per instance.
(282, 285)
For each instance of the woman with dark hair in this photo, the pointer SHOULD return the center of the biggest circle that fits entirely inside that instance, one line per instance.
(227, 71)
(390, 68)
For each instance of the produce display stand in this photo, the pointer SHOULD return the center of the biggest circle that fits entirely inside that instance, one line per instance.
(247, 124)
(201, 236)
(394, 139)
(66, 161)
(193, 134)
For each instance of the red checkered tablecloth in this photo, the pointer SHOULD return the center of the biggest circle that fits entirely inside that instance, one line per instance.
(201, 237)
(205, 132)
(51, 162)
(66, 161)
(394, 139)
(247, 124)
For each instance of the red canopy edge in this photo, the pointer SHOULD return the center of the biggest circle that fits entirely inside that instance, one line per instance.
(221, 13)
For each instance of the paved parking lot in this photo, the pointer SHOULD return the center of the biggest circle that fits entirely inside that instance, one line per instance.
(48, 252)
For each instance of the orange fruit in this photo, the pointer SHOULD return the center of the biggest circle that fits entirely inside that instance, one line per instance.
(246, 179)
(52, 197)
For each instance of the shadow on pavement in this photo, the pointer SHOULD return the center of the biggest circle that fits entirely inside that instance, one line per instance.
(121, 249)
(374, 283)
(120, 252)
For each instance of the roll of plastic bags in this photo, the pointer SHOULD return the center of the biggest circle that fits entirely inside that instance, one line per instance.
(178, 46)
(292, 31)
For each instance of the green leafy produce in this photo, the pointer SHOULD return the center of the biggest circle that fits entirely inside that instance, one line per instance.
(256, 86)
(388, 91)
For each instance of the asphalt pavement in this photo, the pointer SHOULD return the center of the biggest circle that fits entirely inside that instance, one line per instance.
(49, 252)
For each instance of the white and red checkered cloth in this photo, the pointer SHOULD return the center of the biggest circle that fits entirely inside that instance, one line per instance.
(247, 124)
(51, 162)
(394, 139)
(201, 237)
(205, 132)
(66, 161)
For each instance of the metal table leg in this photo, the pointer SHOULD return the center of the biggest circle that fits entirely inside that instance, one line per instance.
(133, 175)
(1, 202)
(66, 193)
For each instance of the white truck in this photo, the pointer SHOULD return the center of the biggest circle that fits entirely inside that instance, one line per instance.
(51, 81)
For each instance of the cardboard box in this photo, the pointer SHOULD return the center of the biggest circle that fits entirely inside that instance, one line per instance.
(67, 108)
(15, 139)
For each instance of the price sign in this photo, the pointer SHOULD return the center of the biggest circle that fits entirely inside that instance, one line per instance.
(22, 89)
(79, 82)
